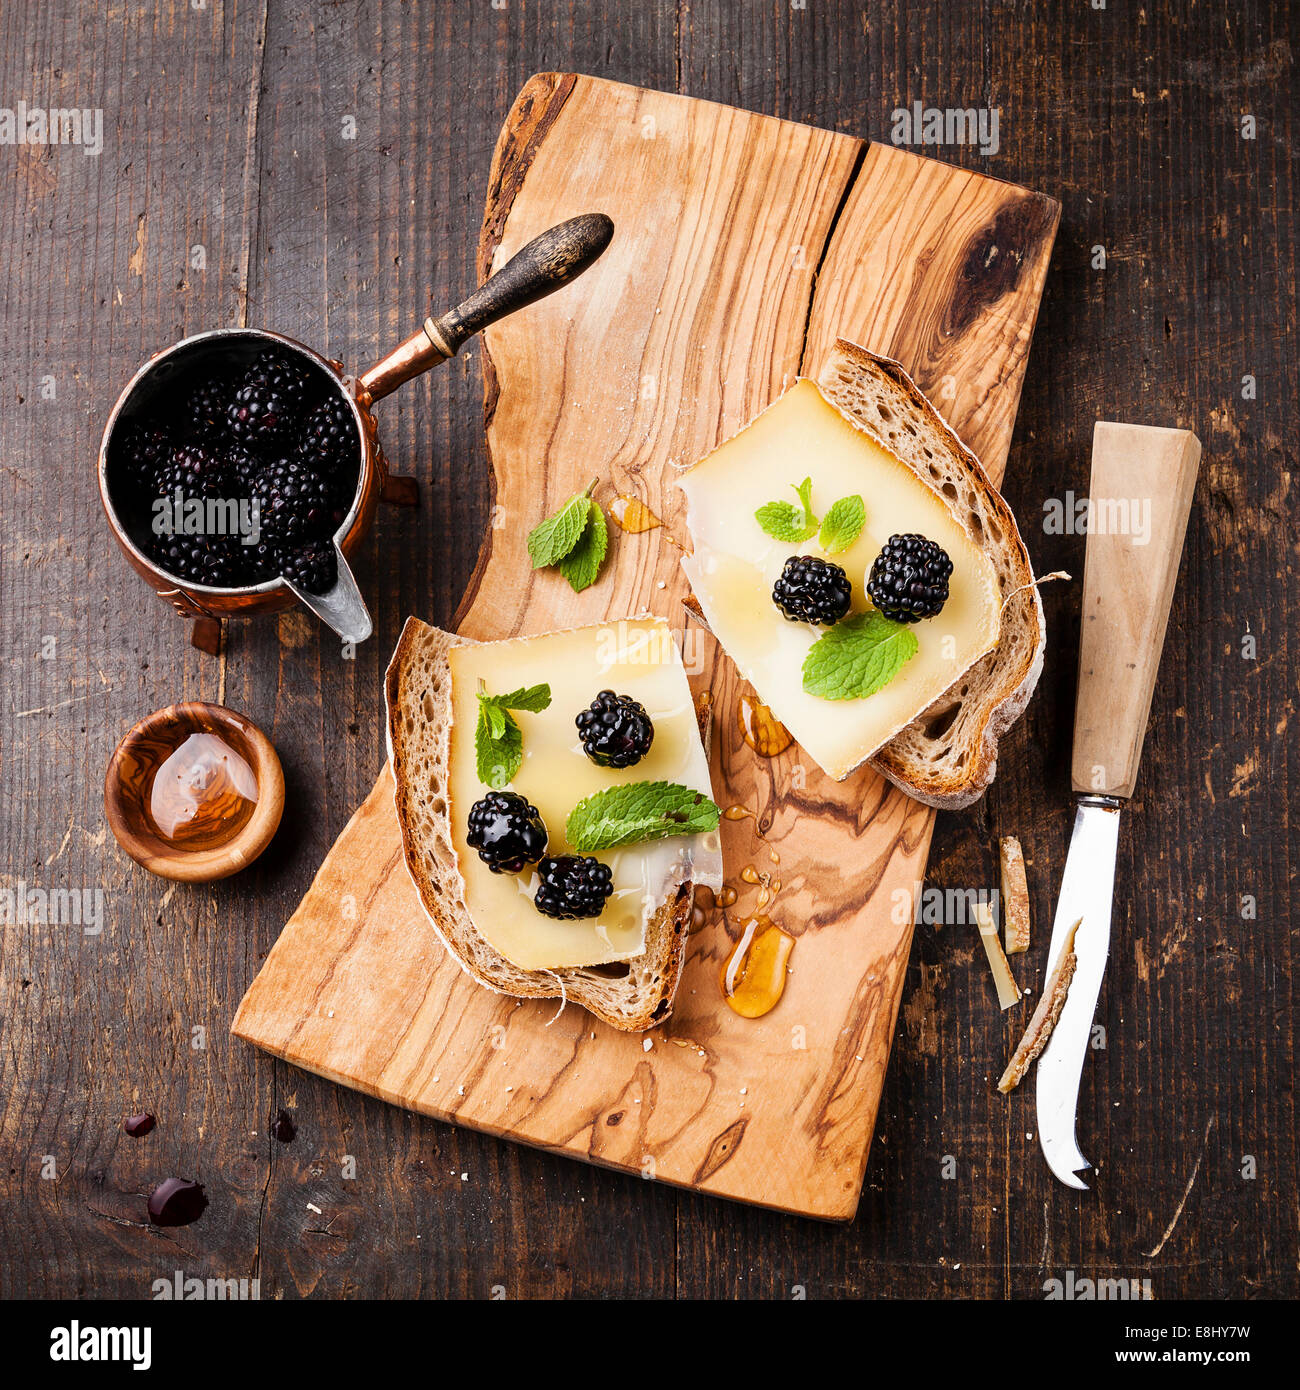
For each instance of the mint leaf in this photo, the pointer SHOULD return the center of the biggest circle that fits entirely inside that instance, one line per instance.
(495, 718)
(532, 699)
(843, 524)
(551, 541)
(783, 521)
(498, 740)
(582, 564)
(497, 757)
(638, 811)
(857, 657)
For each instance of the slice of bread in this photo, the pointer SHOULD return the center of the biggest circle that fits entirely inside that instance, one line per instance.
(632, 995)
(948, 756)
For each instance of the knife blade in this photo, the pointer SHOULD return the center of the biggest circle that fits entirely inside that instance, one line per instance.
(1138, 504)
(1086, 892)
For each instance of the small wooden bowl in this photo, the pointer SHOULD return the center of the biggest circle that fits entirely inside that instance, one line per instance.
(129, 782)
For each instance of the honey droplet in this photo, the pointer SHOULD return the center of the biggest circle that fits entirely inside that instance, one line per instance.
(750, 874)
(632, 515)
(754, 974)
(737, 813)
(760, 728)
(725, 897)
(202, 795)
(703, 902)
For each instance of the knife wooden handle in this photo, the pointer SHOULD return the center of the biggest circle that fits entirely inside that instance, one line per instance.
(1142, 484)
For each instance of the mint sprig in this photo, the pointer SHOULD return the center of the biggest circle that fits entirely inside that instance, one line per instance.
(498, 740)
(638, 811)
(857, 657)
(843, 524)
(573, 540)
(581, 565)
(783, 521)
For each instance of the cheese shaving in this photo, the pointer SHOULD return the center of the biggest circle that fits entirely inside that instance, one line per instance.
(1008, 991)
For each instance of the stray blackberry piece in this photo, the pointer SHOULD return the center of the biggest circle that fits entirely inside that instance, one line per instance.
(507, 832)
(573, 885)
(314, 567)
(812, 590)
(615, 730)
(909, 579)
(294, 503)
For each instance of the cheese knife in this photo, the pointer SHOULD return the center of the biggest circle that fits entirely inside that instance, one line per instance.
(1136, 515)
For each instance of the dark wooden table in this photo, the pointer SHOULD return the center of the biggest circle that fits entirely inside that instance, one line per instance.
(321, 169)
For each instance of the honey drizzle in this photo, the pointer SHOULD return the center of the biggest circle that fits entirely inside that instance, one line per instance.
(753, 976)
(632, 515)
(760, 728)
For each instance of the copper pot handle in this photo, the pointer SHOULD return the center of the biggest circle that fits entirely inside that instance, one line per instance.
(546, 264)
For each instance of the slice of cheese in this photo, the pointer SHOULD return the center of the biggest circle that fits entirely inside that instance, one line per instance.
(735, 563)
(632, 656)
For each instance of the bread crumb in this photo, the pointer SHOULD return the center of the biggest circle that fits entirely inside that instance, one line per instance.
(646, 1044)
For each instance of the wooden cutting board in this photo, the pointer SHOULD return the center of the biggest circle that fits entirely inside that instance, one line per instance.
(744, 246)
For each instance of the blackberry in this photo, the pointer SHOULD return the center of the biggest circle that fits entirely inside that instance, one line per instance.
(194, 468)
(207, 560)
(260, 562)
(138, 453)
(314, 567)
(294, 503)
(205, 410)
(812, 590)
(329, 441)
(507, 832)
(270, 402)
(243, 466)
(615, 730)
(909, 579)
(573, 886)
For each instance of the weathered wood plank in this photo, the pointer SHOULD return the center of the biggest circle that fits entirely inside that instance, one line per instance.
(1131, 117)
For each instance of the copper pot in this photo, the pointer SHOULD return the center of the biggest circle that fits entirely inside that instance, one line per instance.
(545, 264)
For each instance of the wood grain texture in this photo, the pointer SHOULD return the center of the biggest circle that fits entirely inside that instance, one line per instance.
(693, 320)
(223, 127)
(1140, 495)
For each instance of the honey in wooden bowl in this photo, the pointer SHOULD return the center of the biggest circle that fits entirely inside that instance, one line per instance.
(194, 792)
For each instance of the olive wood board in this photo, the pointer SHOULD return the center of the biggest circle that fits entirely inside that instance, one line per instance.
(744, 246)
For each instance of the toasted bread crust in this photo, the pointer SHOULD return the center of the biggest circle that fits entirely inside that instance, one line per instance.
(1006, 677)
(642, 1000)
